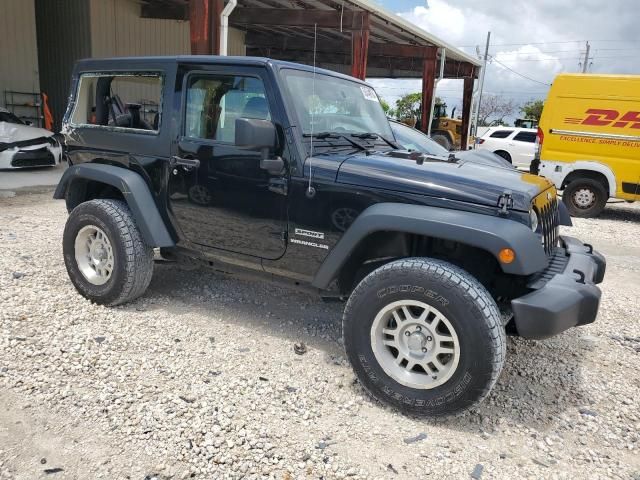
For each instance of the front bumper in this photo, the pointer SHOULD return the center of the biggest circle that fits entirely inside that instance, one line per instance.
(38, 156)
(564, 295)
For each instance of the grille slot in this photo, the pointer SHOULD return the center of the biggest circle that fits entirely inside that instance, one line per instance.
(550, 221)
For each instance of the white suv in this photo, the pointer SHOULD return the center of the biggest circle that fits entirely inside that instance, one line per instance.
(516, 145)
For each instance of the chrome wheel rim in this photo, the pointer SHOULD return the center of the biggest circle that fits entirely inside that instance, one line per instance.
(584, 198)
(415, 344)
(94, 255)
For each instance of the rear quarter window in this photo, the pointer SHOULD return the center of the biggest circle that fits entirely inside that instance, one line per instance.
(501, 133)
(127, 102)
(529, 137)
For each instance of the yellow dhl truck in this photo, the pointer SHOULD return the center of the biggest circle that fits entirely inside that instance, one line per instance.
(588, 140)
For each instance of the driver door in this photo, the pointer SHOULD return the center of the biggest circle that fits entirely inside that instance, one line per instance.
(221, 198)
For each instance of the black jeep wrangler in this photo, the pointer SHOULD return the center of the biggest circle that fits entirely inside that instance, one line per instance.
(293, 173)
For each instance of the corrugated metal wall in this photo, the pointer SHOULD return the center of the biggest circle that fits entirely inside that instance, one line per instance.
(236, 39)
(18, 49)
(63, 38)
(41, 40)
(118, 30)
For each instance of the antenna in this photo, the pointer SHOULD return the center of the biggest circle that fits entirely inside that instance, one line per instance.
(311, 192)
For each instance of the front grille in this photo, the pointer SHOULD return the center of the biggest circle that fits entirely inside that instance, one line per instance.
(549, 223)
(33, 158)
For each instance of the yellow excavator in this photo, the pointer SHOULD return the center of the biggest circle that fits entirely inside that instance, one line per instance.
(446, 131)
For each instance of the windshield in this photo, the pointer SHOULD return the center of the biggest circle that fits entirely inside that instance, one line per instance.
(413, 139)
(338, 105)
(9, 118)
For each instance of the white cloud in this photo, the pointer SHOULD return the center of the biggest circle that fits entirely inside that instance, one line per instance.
(536, 39)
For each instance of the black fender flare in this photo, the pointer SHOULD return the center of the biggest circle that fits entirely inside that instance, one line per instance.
(491, 234)
(135, 192)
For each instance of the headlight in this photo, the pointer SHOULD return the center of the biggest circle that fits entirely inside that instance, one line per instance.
(533, 218)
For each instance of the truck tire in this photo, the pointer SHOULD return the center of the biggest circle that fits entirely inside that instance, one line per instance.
(424, 336)
(107, 260)
(442, 140)
(585, 197)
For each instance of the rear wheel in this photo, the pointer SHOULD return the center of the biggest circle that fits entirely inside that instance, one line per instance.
(442, 140)
(424, 336)
(585, 197)
(105, 255)
(505, 155)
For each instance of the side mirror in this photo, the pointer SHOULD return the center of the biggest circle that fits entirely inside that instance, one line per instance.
(28, 123)
(259, 135)
(254, 134)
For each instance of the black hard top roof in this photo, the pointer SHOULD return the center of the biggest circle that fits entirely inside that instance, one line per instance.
(151, 62)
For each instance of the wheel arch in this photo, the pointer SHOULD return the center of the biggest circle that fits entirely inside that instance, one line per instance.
(499, 150)
(81, 181)
(562, 172)
(485, 233)
(599, 175)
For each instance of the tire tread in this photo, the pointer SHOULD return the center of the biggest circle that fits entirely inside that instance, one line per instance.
(472, 289)
(138, 260)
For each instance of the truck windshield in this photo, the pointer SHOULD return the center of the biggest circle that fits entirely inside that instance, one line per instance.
(335, 105)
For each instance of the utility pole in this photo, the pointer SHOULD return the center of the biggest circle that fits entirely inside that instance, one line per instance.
(585, 63)
(484, 69)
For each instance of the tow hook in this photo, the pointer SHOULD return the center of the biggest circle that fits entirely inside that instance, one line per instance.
(505, 202)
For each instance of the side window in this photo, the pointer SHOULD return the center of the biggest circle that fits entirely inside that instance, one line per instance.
(529, 137)
(501, 133)
(131, 101)
(214, 102)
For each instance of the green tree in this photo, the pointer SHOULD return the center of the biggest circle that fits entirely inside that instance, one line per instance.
(532, 109)
(410, 106)
(386, 107)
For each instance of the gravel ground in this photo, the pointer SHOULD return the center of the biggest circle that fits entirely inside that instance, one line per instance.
(199, 379)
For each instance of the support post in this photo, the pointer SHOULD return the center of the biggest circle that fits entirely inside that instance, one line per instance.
(204, 25)
(360, 49)
(428, 83)
(467, 94)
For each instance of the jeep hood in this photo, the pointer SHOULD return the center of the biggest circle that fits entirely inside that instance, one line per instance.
(458, 180)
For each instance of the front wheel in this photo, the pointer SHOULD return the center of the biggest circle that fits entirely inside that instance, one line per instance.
(105, 255)
(442, 140)
(585, 197)
(424, 336)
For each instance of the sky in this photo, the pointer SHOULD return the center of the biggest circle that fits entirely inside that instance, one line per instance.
(535, 38)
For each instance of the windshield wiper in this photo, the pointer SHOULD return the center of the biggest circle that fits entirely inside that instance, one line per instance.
(325, 135)
(375, 136)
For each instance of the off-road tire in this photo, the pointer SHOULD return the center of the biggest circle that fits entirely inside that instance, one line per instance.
(596, 187)
(442, 140)
(468, 307)
(505, 155)
(133, 259)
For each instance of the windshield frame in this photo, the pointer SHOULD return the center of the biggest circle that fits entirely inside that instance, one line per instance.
(384, 129)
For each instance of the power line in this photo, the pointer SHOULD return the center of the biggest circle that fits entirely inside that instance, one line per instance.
(552, 43)
(528, 43)
(566, 51)
(520, 74)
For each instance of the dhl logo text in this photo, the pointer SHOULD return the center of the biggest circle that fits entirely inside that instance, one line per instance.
(601, 118)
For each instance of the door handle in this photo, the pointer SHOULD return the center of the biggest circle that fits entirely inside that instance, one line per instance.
(185, 162)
